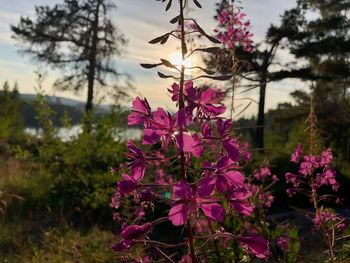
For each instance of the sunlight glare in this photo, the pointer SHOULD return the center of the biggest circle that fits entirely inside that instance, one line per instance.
(176, 59)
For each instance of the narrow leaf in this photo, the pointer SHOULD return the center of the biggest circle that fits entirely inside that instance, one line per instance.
(163, 76)
(222, 78)
(175, 19)
(148, 66)
(227, 77)
(207, 71)
(158, 39)
(167, 63)
(213, 39)
(197, 3)
(164, 40)
(168, 5)
(212, 50)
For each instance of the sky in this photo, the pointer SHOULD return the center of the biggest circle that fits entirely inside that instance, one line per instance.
(140, 21)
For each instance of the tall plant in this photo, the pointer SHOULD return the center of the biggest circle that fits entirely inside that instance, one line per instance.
(193, 154)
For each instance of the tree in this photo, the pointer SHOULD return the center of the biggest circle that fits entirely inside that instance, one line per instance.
(11, 120)
(255, 67)
(77, 37)
(323, 43)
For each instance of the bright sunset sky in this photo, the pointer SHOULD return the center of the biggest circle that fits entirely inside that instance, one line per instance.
(140, 21)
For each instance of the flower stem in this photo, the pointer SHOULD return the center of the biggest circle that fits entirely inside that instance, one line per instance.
(182, 106)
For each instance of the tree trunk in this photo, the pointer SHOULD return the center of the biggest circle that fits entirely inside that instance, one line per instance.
(92, 70)
(261, 113)
(92, 61)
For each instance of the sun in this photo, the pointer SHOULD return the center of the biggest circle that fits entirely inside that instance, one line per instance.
(176, 59)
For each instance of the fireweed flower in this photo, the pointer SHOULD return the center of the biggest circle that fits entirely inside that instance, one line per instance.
(262, 173)
(166, 129)
(315, 172)
(330, 219)
(187, 202)
(129, 234)
(223, 128)
(127, 186)
(196, 133)
(256, 245)
(208, 103)
(190, 92)
(140, 112)
(313, 167)
(221, 176)
(298, 153)
(283, 242)
(137, 161)
(234, 29)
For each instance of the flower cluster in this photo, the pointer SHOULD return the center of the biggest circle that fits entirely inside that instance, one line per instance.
(330, 220)
(234, 29)
(314, 170)
(191, 132)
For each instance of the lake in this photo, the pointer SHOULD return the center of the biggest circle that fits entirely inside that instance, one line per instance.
(67, 134)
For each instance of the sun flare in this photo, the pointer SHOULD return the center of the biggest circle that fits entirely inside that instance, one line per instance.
(176, 59)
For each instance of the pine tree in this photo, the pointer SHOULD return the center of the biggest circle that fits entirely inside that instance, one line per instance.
(323, 42)
(77, 37)
(11, 120)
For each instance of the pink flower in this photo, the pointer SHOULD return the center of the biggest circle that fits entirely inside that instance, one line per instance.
(127, 186)
(135, 231)
(189, 92)
(257, 245)
(206, 103)
(146, 195)
(229, 144)
(140, 112)
(186, 259)
(297, 155)
(266, 199)
(239, 201)
(233, 29)
(328, 177)
(167, 130)
(329, 220)
(137, 161)
(292, 178)
(308, 165)
(326, 158)
(262, 173)
(283, 243)
(244, 151)
(291, 192)
(221, 175)
(129, 234)
(188, 201)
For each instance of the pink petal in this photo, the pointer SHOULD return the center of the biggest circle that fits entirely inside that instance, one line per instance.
(182, 190)
(178, 214)
(206, 187)
(214, 212)
(232, 149)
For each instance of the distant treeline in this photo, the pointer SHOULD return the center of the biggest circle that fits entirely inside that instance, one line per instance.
(29, 114)
(23, 106)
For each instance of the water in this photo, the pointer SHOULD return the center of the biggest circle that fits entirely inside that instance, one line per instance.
(66, 134)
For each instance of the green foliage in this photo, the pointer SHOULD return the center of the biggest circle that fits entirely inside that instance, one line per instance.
(11, 121)
(56, 245)
(46, 182)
